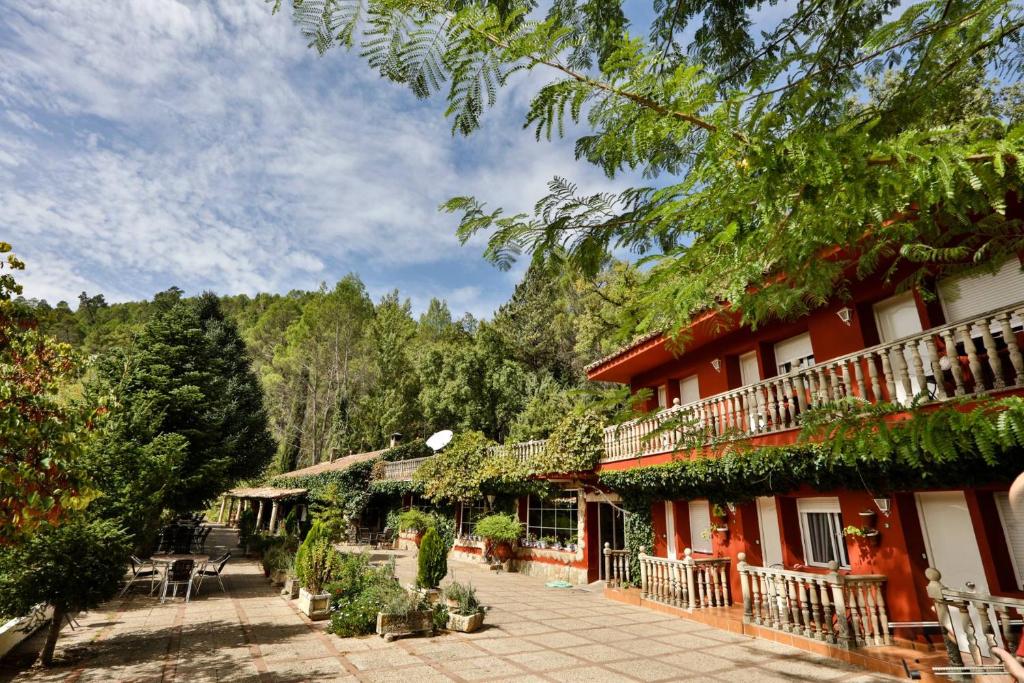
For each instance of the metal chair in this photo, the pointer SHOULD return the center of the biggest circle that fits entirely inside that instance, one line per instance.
(199, 539)
(385, 539)
(180, 573)
(218, 567)
(139, 573)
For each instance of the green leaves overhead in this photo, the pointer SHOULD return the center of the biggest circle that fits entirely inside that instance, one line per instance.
(868, 126)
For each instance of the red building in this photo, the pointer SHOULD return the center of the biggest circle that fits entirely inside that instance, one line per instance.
(785, 561)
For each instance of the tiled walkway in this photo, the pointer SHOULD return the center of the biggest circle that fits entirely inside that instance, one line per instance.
(532, 634)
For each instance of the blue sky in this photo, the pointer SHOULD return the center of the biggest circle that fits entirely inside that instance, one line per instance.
(150, 143)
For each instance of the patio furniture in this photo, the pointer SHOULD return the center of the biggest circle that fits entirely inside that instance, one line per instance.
(199, 539)
(385, 539)
(139, 573)
(215, 571)
(179, 573)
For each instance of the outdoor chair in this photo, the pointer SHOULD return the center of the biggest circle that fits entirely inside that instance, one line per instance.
(385, 538)
(199, 539)
(166, 542)
(180, 573)
(141, 573)
(216, 570)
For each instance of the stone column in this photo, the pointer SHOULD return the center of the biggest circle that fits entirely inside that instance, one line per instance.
(273, 516)
(259, 515)
(223, 502)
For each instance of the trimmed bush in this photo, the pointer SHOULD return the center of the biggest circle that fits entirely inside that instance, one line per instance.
(499, 528)
(433, 560)
(415, 520)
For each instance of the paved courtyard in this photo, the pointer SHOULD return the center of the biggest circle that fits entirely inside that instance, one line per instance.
(532, 634)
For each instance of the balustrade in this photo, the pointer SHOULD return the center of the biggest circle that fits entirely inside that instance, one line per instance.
(688, 583)
(401, 470)
(841, 609)
(616, 566)
(974, 622)
(964, 359)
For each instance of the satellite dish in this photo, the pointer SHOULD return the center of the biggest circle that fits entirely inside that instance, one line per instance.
(440, 439)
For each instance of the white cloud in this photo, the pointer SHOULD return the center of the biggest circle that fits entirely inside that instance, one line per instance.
(157, 142)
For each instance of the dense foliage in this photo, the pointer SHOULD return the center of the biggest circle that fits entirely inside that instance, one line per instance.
(767, 138)
(41, 435)
(499, 528)
(73, 566)
(358, 591)
(576, 445)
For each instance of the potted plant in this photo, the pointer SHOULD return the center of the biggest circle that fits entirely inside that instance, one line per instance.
(278, 560)
(718, 512)
(291, 581)
(404, 614)
(315, 568)
(415, 522)
(500, 531)
(866, 534)
(572, 544)
(465, 614)
(432, 564)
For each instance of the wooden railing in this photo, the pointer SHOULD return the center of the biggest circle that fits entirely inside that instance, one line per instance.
(962, 359)
(984, 621)
(401, 470)
(616, 566)
(687, 583)
(845, 610)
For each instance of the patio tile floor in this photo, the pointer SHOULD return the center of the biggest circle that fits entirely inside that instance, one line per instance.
(532, 634)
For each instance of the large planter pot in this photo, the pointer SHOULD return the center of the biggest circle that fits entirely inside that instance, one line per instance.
(502, 551)
(391, 626)
(431, 595)
(316, 606)
(291, 588)
(465, 623)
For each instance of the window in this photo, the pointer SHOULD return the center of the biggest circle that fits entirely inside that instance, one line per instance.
(794, 353)
(557, 517)
(663, 396)
(689, 390)
(700, 522)
(821, 528)
(967, 296)
(471, 512)
(749, 372)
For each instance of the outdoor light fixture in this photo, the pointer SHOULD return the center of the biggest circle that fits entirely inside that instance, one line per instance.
(883, 505)
(717, 364)
(490, 501)
(731, 506)
(845, 314)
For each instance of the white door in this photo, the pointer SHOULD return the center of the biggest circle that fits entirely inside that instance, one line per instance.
(749, 372)
(771, 537)
(663, 396)
(670, 529)
(952, 547)
(689, 390)
(700, 523)
(897, 317)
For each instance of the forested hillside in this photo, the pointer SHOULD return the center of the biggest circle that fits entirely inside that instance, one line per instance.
(342, 372)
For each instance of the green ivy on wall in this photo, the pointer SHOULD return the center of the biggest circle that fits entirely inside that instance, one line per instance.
(862, 449)
(639, 529)
(576, 445)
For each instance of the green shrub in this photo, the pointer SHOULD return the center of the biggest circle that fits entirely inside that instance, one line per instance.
(415, 520)
(317, 566)
(464, 594)
(246, 526)
(440, 616)
(433, 560)
(403, 603)
(498, 528)
(357, 594)
(291, 522)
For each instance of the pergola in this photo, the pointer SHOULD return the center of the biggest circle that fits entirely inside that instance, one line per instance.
(247, 497)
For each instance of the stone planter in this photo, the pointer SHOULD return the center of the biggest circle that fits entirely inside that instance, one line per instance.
(278, 577)
(315, 606)
(465, 623)
(291, 588)
(391, 626)
(431, 595)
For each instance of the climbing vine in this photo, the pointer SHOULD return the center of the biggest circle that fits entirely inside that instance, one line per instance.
(576, 445)
(863, 447)
(639, 528)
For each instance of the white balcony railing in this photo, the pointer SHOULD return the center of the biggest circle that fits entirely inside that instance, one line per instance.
(401, 470)
(847, 610)
(963, 359)
(688, 583)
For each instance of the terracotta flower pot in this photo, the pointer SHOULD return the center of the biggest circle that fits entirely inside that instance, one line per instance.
(503, 551)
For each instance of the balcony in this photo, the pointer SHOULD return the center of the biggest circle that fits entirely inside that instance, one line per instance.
(401, 470)
(969, 358)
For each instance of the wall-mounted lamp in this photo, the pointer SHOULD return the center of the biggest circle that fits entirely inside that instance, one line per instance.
(490, 501)
(717, 364)
(845, 314)
(883, 505)
(731, 506)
